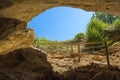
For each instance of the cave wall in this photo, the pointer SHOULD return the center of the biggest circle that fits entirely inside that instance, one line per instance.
(16, 35)
(25, 10)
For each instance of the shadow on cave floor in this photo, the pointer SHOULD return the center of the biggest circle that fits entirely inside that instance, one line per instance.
(31, 64)
(25, 64)
(92, 72)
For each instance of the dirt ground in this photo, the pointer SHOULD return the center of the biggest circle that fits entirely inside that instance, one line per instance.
(33, 64)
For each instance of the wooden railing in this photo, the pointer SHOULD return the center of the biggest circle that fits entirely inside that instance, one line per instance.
(70, 47)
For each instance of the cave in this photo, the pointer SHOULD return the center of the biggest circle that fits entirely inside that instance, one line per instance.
(16, 14)
(14, 34)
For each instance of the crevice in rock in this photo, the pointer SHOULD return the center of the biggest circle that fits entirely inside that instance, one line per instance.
(8, 25)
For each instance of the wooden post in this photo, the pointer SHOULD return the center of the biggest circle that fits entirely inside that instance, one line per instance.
(78, 48)
(78, 52)
(36, 44)
(71, 48)
(107, 55)
(93, 48)
(67, 48)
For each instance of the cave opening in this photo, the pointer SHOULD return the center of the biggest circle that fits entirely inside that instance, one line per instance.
(72, 25)
(60, 23)
(33, 64)
(97, 23)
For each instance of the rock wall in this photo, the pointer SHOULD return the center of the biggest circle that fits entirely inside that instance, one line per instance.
(25, 10)
(14, 35)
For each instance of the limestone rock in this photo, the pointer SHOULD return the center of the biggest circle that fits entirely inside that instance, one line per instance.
(117, 76)
(25, 64)
(103, 76)
(14, 35)
(25, 10)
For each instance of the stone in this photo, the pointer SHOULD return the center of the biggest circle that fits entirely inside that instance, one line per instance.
(25, 10)
(14, 35)
(117, 76)
(103, 76)
(25, 64)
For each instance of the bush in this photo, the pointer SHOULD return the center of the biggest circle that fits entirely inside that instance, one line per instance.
(116, 24)
(95, 31)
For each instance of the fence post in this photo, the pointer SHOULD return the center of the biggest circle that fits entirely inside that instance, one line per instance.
(36, 44)
(78, 48)
(67, 48)
(71, 48)
(107, 55)
(78, 52)
(93, 48)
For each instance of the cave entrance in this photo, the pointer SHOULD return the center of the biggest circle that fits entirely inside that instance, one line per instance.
(67, 24)
(60, 23)
(71, 30)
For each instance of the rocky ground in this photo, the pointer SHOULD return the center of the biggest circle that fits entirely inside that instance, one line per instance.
(33, 64)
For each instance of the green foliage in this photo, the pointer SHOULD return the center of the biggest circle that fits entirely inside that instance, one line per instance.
(43, 43)
(116, 23)
(95, 30)
(79, 37)
(107, 18)
(37, 41)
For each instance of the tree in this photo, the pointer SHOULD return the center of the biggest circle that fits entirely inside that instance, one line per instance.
(95, 33)
(36, 41)
(116, 24)
(107, 18)
(79, 37)
(95, 30)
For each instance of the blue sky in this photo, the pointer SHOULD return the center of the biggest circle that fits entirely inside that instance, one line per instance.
(60, 23)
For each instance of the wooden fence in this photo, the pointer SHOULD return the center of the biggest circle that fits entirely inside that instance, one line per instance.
(70, 46)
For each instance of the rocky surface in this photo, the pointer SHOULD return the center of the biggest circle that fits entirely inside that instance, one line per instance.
(14, 35)
(33, 64)
(25, 10)
(25, 64)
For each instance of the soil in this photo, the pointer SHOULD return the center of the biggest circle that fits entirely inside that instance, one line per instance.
(34, 64)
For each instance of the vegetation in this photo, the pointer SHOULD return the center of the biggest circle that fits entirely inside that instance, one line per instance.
(43, 43)
(38, 40)
(95, 31)
(80, 37)
(96, 27)
(106, 18)
(116, 24)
